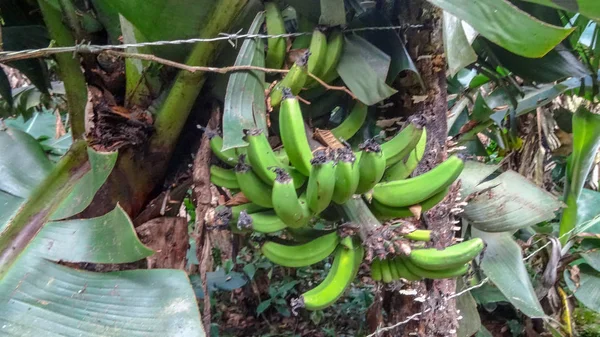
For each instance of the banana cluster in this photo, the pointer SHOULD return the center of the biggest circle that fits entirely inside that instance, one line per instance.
(428, 263)
(290, 188)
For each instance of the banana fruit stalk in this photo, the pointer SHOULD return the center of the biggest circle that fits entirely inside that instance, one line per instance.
(223, 177)
(293, 133)
(397, 148)
(371, 166)
(293, 211)
(294, 79)
(412, 191)
(343, 271)
(294, 256)
(384, 212)
(403, 168)
(347, 176)
(350, 126)
(276, 47)
(321, 182)
(452, 257)
(251, 185)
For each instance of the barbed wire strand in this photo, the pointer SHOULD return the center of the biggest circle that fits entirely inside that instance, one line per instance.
(6, 56)
(479, 285)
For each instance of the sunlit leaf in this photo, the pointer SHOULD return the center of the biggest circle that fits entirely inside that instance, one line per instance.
(588, 291)
(589, 8)
(364, 68)
(245, 106)
(505, 24)
(502, 263)
(458, 49)
(510, 202)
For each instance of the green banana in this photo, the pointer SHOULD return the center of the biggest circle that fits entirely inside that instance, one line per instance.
(253, 188)
(318, 54)
(403, 168)
(371, 166)
(376, 270)
(282, 156)
(419, 235)
(302, 255)
(294, 79)
(384, 212)
(266, 222)
(393, 270)
(292, 210)
(343, 270)
(321, 182)
(263, 160)
(401, 193)
(449, 258)
(293, 133)
(403, 271)
(386, 274)
(223, 177)
(249, 207)
(276, 47)
(350, 126)
(335, 47)
(229, 157)
(436, 274)
(402, 144)
(347, 176)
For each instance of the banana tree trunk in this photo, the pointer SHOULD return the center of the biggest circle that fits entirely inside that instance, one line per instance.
(426, 48)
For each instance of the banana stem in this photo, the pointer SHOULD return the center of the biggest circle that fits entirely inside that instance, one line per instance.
(357, 211)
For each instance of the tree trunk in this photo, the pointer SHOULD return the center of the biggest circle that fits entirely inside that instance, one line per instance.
(425, 46)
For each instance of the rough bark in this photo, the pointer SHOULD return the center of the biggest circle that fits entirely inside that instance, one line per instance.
(425, 46)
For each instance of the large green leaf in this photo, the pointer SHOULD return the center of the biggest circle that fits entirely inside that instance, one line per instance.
(510, 202)
(364, 68)
(42, 126)
(458, 49)
(84, 191)
(506, 25)
(109, 238)
(470, 322)
(588, 291)
(473, 174)
(502, 263)
(23, 163)
(589, 8)
(160, 20)
(586, 142)
(41, 298)
(245, 106)
(587, 209)
(15, 38)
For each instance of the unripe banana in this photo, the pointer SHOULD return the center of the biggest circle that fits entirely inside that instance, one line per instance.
(282, 156)
(276, 47)
(343, 270)
(384, 212)
(229, 157)
(350, 126)
(294, 79)
(386, 274)
(293, 133)
(292, 210)
(436, 274)
(223, 177)
(419, 235)
(249, 207)
(371, 166)
(335, 47)
(321, 182)
(263, 160)
(294, 256)
(412, 191)
(403, 168)
(393, 270)
(403, 271)
(448, 258)
(402, 144)
(318, 54)
(376, 270)
(251, 185)
(266, 222)
(347, 176)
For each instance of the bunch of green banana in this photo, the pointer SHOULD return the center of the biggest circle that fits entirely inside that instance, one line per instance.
(403, 168)
(397, 148)
(276, 47)
(223, 177)
(346, 263)
(290, 254)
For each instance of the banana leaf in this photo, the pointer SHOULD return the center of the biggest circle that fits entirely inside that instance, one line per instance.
(470, 322)
(333, 13)
(473, 174)
(505, 24)
(502, 263)
(587, 289)
(588, 8)
(458, 48)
